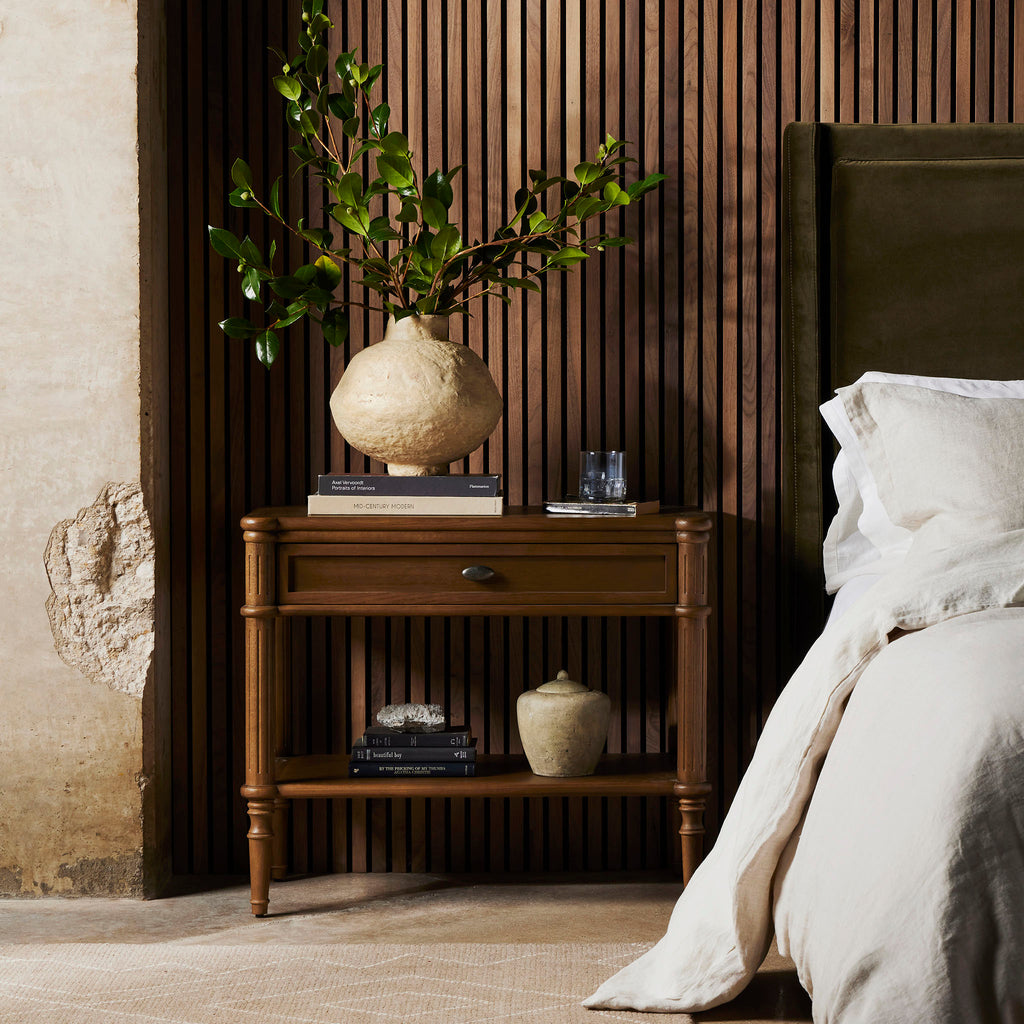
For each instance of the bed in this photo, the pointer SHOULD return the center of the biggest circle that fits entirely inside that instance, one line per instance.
(878, 833)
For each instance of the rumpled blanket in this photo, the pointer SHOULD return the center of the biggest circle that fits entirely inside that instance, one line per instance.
(722, 925)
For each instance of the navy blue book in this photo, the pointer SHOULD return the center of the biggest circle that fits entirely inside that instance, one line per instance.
(406, 755)
(374, 770)
(380, 485)
(382, 736)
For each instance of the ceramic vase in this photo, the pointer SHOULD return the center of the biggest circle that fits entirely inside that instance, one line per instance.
(416, 400)
(563, 726)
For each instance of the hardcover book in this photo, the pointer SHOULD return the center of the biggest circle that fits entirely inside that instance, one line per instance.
(573, 506)
(380, 485)
(373, 769)
(410, 755)
(382, 736)
(414, 505)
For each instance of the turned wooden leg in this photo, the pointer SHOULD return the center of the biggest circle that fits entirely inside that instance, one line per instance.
(692, 803)
(691, 788)
(261, 841)
(261, 669)
(279, 862)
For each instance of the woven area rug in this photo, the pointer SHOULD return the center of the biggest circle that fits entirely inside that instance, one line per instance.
(167, 983)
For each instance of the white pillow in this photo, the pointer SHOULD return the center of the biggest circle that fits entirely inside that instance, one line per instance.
(946, 461)
(862, 538)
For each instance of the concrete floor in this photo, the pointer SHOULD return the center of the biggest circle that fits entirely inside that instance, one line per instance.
(398, 908)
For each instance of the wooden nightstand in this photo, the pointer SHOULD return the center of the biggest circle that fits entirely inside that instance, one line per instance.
(413, 565)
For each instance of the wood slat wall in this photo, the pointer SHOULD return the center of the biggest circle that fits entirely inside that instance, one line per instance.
(667, 348)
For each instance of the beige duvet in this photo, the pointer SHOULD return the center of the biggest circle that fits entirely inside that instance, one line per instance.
(896, 879)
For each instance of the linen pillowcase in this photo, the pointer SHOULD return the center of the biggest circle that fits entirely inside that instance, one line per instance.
(862, 538)
(953, 462)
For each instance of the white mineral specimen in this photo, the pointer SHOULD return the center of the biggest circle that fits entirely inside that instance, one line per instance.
(412, 717)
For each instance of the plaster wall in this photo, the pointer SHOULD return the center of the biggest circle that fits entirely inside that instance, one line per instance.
(71, 737)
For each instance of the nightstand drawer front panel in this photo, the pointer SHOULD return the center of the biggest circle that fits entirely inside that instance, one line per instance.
(535, 575)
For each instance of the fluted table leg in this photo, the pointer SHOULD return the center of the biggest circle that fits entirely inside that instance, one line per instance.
(692, 612)
(261, 670)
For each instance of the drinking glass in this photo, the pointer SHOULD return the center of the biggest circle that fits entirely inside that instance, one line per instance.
(602, 476)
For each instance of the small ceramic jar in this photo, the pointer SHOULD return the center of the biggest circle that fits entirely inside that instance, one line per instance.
(563, 726)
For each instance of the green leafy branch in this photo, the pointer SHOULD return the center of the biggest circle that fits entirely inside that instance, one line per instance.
(397, 227)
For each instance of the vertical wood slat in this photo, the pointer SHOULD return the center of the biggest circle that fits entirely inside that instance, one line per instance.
(668, 347)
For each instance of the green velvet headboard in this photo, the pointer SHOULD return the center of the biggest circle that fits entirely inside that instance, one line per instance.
(902, 250)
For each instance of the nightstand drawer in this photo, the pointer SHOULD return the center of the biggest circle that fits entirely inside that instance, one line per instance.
(528, 574)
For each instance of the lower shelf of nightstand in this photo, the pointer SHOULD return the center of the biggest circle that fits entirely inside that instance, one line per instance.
(312, 776)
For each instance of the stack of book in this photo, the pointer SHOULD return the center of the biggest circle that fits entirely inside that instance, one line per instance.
(466, 494)
(382, 752)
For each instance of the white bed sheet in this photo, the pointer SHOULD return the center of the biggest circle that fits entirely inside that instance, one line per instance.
(900, 897)
(723, 922)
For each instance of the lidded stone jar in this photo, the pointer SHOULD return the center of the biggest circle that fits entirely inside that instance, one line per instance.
(563, 726)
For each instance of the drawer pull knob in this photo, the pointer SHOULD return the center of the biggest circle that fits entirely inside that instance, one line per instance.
(478, 573)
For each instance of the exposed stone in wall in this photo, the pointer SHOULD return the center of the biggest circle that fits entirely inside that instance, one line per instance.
(105, 876)
(100, 565)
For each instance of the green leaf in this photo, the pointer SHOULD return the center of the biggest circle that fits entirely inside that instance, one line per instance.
(586, 172)
(304, 154)
(343, 64)
(615, 195)
(648, 184)
(350, 189)
(436, 187)
(396, 144)
(225, 243)
(316, 59)
(267, 347)
(275, 199)
(251, 284)
(363, 147)
(446, 243)
(546, 183)
(395, 169)
(335, 327)
(351, 127)
(420, 285)
(248, 252)
(539, 223)
(317, 236)
(288, 287)
(371, 77)
(518, 282)
(355, 218)
(379, 118)
(330, 272)
(240, 174)
(238, 327)
(526, 203)
(288, 87)
(319, 23)
(296, 311)
(567, 256)
(408, 213)
(587, 207)
(235, 198)
(609, 243)
(340, 106)
(434, 213)
(380, 230)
